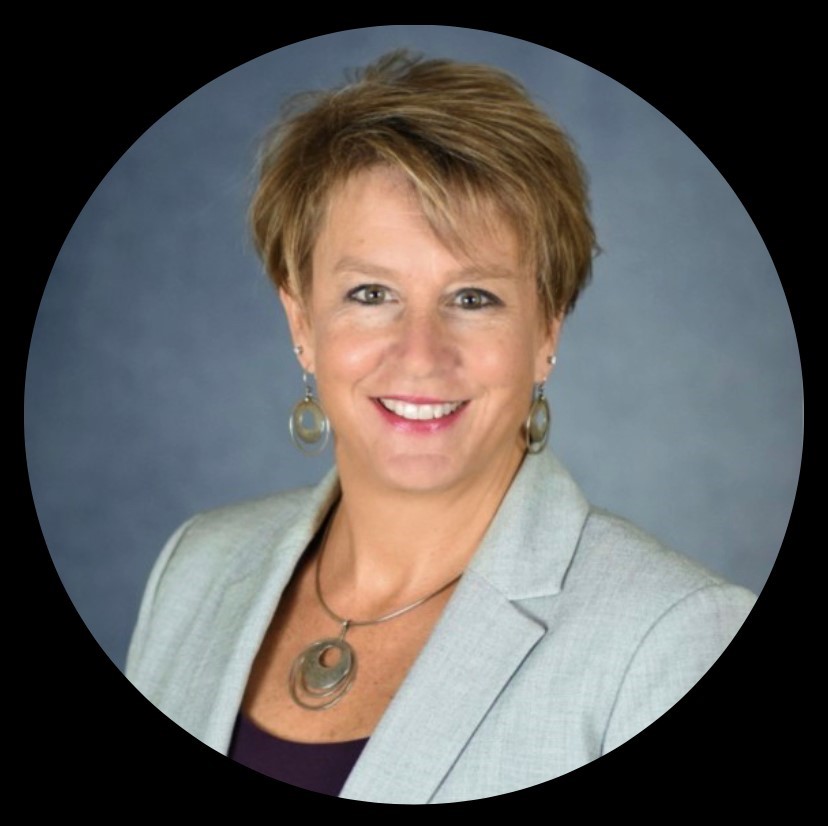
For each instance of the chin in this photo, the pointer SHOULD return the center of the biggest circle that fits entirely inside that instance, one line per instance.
(442, 473)
(418, 473)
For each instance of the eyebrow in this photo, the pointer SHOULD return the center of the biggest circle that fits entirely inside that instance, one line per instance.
(349, 263)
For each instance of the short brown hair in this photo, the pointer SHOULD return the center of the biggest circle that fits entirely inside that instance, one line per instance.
(468, 138)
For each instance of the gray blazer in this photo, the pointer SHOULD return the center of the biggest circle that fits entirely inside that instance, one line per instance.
(570, 632)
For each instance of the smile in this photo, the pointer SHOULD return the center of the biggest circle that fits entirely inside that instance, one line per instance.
(419, 412)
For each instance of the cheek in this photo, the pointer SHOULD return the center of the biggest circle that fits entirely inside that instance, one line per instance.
(508, 362)
(346, 354)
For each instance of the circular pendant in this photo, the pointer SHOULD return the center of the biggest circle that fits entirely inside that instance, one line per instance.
(316, 685)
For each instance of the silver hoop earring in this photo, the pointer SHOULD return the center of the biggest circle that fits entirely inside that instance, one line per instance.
(310, 428)
(537, 422)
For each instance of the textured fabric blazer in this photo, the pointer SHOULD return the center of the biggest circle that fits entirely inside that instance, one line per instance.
(570, 632)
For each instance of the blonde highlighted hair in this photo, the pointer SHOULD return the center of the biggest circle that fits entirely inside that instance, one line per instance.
(468, 138)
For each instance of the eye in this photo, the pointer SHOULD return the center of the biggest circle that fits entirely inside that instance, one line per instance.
(369, 294)
(474, 299)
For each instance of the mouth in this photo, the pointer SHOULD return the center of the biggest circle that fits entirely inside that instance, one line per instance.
(420, 412)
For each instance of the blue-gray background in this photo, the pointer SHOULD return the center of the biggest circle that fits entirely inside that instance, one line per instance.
(160, 375)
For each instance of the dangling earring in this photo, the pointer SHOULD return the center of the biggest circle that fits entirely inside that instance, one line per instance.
(310, 428)
(537, 422)
(540, 417)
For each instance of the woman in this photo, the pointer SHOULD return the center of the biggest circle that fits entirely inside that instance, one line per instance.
(445, 617)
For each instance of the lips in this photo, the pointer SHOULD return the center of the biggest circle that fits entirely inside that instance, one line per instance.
(418, 412)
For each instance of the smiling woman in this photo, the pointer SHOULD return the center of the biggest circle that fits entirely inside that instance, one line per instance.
(426, 375)
(444, 617)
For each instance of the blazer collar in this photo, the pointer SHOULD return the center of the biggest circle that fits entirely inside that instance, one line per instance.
(530, 542)
(526, 550)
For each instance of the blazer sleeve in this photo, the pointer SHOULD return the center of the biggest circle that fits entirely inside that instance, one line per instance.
(675, 653)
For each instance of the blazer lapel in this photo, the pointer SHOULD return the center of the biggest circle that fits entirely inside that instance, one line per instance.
(479, 642)
(242, 615)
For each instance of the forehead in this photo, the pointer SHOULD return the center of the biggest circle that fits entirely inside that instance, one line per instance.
(379, 209)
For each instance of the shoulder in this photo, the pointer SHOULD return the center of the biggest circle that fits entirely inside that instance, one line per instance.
(653, 619)
(230, 534)
(626, 577)
(637, 562)
(207, 555)
(623, 627)
(241, 519)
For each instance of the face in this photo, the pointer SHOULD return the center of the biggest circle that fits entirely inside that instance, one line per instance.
(424, 358)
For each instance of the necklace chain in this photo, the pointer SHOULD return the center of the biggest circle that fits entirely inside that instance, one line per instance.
(352, 623)
(313, 682)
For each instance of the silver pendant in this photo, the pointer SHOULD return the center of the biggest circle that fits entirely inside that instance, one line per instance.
(315, 685)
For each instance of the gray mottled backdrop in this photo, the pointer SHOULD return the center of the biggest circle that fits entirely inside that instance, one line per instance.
(160, 376)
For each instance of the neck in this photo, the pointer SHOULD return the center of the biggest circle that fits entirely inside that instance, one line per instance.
(387, 546)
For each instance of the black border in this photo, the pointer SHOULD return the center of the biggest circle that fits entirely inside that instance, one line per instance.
(88, 97)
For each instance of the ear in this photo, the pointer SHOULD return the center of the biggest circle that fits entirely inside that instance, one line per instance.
(548, 348)
(300, 327)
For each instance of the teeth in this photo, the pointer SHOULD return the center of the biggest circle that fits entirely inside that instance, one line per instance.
(419, 411)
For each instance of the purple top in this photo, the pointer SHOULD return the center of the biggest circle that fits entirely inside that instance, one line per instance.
(317, 767)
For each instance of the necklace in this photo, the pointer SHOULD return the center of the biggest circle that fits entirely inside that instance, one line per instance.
(324, 671)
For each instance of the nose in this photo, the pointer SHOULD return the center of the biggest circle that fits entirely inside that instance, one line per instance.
(424, 345)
